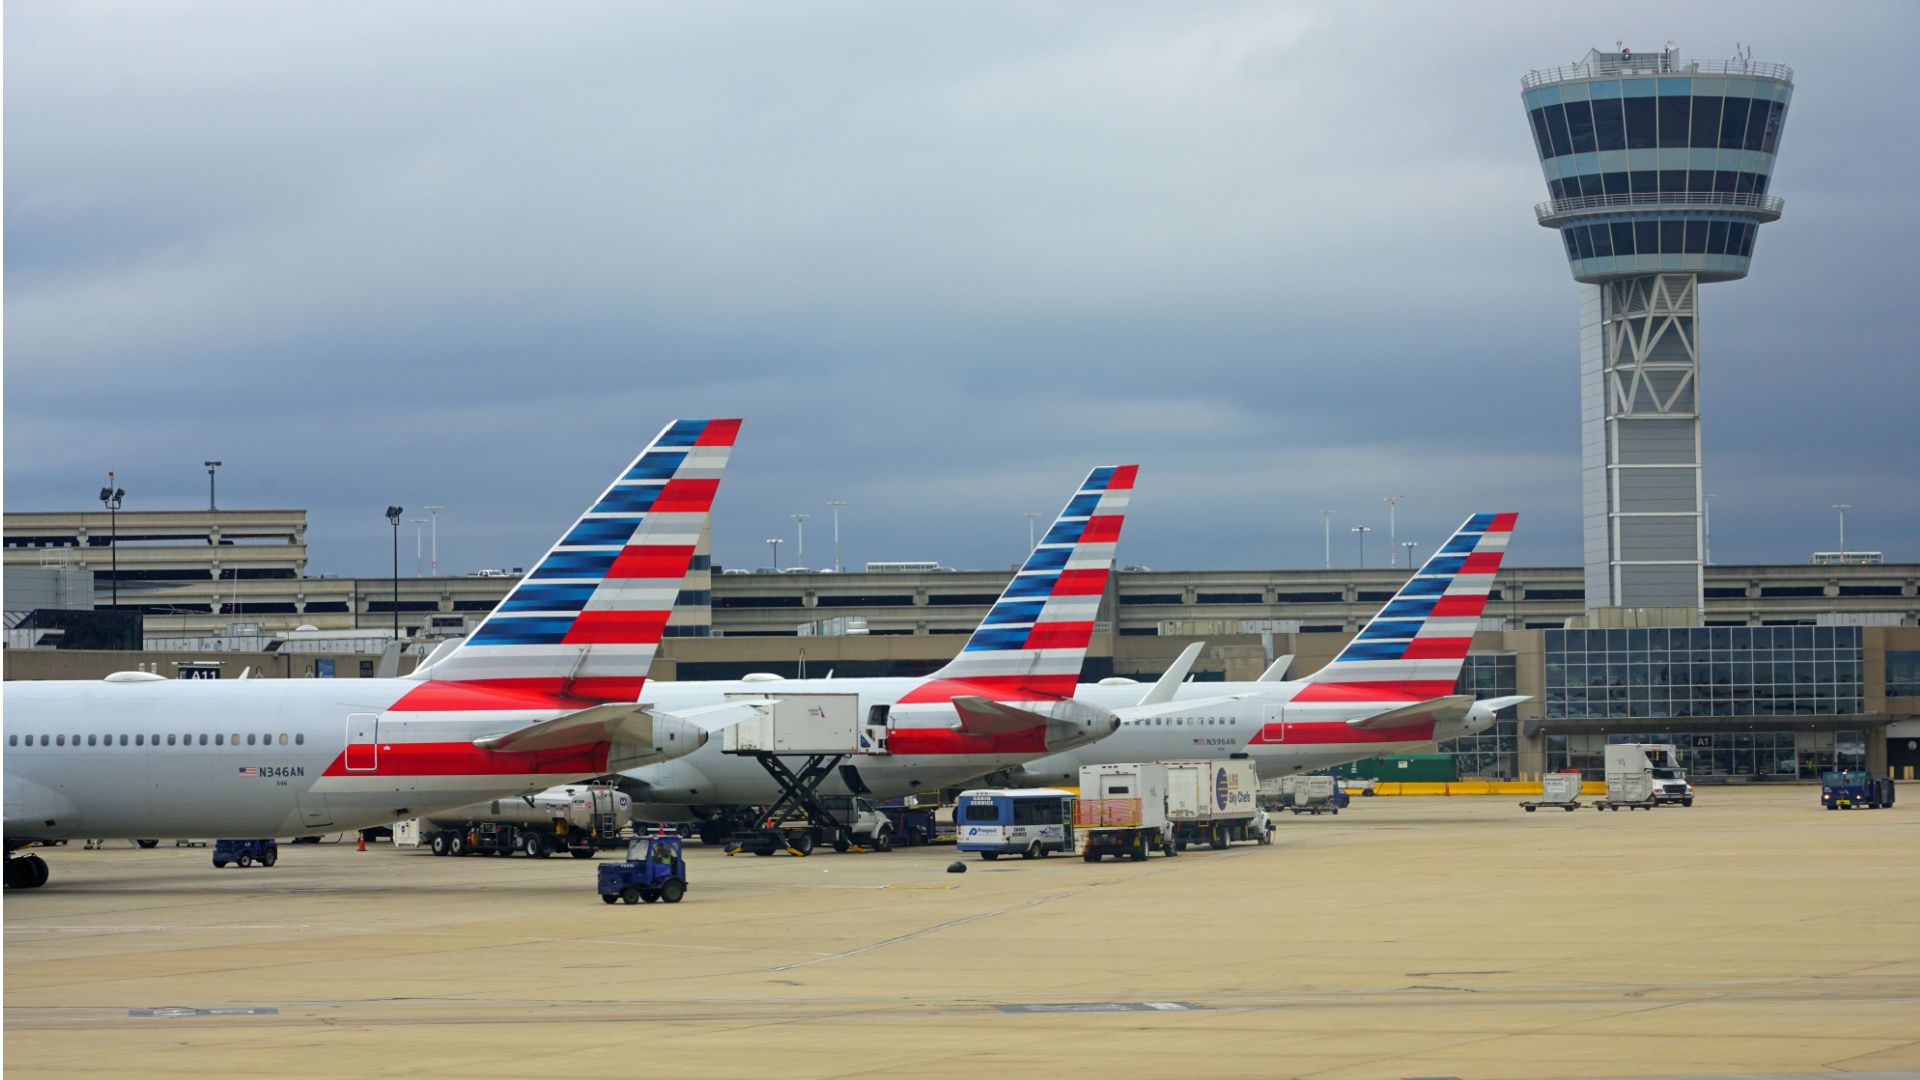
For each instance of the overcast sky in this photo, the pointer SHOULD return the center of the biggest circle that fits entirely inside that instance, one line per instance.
(942, 258)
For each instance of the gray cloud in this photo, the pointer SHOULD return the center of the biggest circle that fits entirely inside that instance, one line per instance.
(942, 259)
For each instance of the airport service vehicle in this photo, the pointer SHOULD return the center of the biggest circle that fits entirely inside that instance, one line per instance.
(545, 690)
(1316, 794)
(1005, 699)
(244, 853)
(913, 824)
(655, 869)
(1559, 790)
(1260, 828)
(1392, 689)
(579, 819)
(1631, 781)
(1359, 785)
(1029, 822)
(1211, 802)
(1122, 811)
(1851, 789)
(1670, 785)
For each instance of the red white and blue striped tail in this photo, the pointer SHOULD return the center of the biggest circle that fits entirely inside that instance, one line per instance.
(585, 622)
(1031, 644)
(1415, 646)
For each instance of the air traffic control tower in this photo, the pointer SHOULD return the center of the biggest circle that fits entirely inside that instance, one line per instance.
(1661, 174)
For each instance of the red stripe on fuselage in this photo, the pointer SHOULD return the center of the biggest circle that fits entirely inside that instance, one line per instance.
(488, 695)
(993, 688)
(616, 628)
(400, 759)
(945, 742)
(1339, 733)
(664, 561)
(1385, 694)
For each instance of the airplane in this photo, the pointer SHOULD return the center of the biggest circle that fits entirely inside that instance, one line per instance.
(545, 690)
(1006, 698)
(1390, 690)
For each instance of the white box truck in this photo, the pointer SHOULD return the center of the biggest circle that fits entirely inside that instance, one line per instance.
(1211, 802)
(796, 724)
(1637, 774)
(1122, 811)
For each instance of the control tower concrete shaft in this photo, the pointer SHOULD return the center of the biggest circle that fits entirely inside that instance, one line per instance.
(1659, 170)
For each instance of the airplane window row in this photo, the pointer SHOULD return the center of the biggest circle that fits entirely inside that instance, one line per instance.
(1166, 721)
(299, 739)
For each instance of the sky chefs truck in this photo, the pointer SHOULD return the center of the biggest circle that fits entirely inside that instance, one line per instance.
(1122, 812)
(1029, 822)
(578, 819)
(1211, 802)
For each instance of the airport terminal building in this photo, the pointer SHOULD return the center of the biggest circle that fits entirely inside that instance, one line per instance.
(1785, 670)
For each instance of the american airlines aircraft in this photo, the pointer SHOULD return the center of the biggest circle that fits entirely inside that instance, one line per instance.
(1391, 690)
(1007, 698)
(546, 690)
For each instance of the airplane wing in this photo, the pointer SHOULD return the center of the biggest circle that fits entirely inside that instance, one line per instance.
(725, 714)
(1451, 707)
(1162, 691)
(617, 722)
(1277, 671)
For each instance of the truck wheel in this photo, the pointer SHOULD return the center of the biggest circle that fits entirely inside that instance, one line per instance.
(1139, 851)
(673, 890)
(800, 842)
(629, 895)
(535, 846)
(243, 860)
(1180, 844)
(989, 856)
(763, 850)
(608, 898)
(1688, 801)
(1528, 809)
(1569, 808)
(581, 852)
(841, 843)
(1091, 856)
(1032, 852)
(456, 844)
(438, 843)
(269, 858)
(1218, 843)
(219, 864)
(148, 843)
(883, 838)
(651, 896)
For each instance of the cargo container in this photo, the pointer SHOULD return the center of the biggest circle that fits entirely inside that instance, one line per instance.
(800, 724)
(1557, 790)
(1211, 802)
(1122, 811)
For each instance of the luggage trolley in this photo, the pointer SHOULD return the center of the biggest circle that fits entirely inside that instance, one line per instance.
(823, 731)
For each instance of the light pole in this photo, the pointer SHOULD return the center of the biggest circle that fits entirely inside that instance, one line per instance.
(1843, 508)
(835, 505)
(800, 546)
(1030, 515)
(1706, 525)
(1393, 530)
(110, 497)
(212, 503)
(774, 543)
(393, 518)
(1361, 531)
(1410, 545)
(1326, 519)
(433, 538)
(416, 523)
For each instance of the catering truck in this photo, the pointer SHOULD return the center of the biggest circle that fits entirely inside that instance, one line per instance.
(1641, 776)
(579, 819)
(1211, 802)
(1122, 812)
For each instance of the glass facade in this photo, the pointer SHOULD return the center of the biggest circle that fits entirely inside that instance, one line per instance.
(1704, 234)
(1754, 755)
(1903, 673)
(1703, 671)
(1495, 752)
(1722, 115)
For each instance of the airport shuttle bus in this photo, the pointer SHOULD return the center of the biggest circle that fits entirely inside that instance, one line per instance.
(1030, 822)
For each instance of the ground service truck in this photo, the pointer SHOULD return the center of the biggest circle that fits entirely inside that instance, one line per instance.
(1640, 776)
(1211, 802)
(1122, 812)
(578, 819)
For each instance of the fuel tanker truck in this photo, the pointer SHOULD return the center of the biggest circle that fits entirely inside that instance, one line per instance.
(579, 819)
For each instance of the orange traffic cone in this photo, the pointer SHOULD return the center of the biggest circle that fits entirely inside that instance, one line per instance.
(363, 841)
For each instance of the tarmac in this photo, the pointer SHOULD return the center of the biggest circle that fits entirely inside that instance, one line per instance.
(1752, 933)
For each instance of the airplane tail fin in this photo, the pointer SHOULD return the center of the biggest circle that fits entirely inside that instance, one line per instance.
(585, 622)
(1034, 639)
(1415, 646)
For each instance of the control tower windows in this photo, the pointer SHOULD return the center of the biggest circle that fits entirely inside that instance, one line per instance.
(1673, 120)
(1609, 125)
(1776, 115)
(1706, 121)
(1672, 235)
(1757, 125)
(1540, 137)
(1580, 125)
(1673, 181)
(1646, 236)
(1622, 237)
(1716, 237)
(1557, 131)
(1733, 123)
(1640, 122)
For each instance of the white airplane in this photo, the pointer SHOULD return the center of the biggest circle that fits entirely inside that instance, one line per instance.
(1391, 690)
(1007, 698)
(546, 690)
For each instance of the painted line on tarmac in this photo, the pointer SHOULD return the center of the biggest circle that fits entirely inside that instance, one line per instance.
(170, 927)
